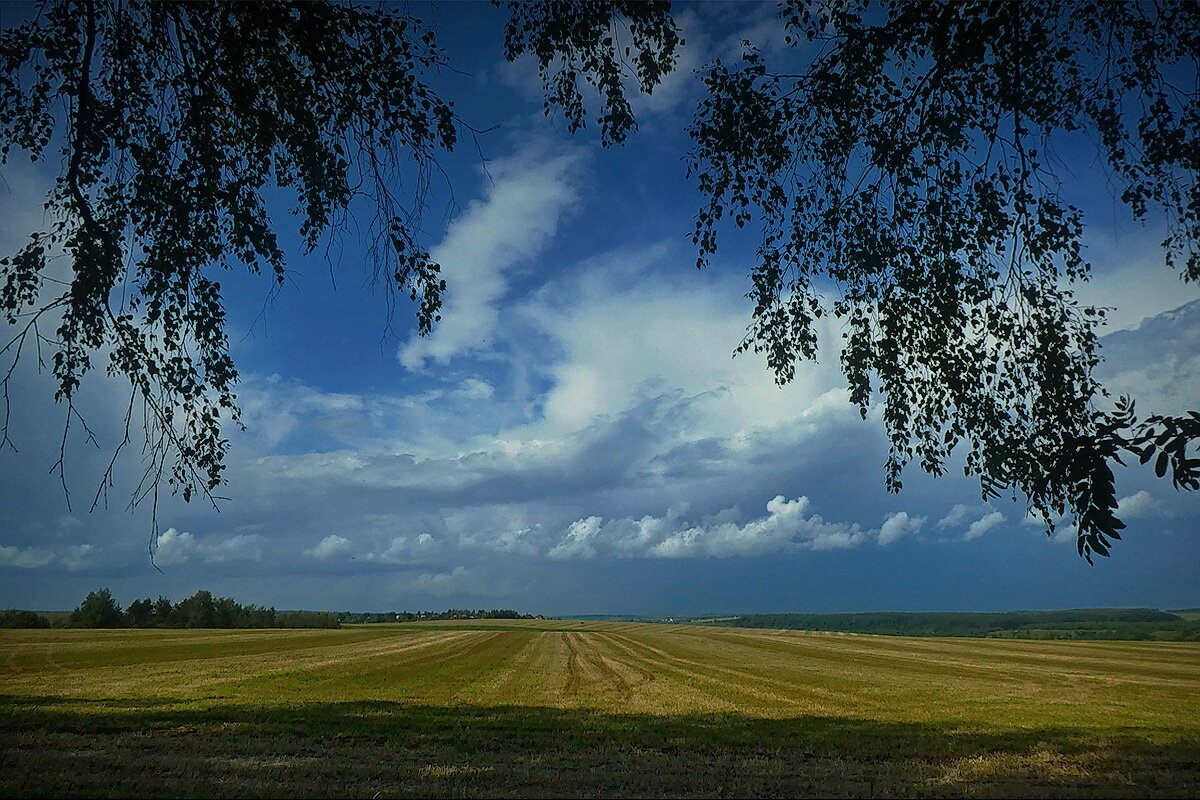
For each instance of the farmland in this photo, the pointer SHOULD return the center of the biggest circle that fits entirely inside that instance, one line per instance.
(548, 708)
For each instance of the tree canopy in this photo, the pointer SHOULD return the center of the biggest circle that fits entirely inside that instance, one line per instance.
(174, 121)
(912, 163)
(902, 180)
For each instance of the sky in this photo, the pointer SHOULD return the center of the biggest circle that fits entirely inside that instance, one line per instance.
(576, 437)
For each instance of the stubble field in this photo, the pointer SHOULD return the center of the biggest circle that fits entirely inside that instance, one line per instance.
(597, 709)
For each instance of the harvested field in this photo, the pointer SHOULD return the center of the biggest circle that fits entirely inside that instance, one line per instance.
(549, 708)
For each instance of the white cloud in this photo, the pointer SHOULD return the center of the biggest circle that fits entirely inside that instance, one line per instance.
(981, 519)
(24, 557)
(761, 28)
(408, 549)
(898, 525)
(957, 516)
(1158, 362)
(522, 542)
(787, 527)
(178, 547)
(174, 547)
(79, 556)
(475, 389)
(1132, 280)
(982, 525)
(244, 547)
(329, 547)
(1063, 531)
(530, 192)
(457, 581)
(72, 557)
(1140, 504)
(623, 333)
(273, 408)
(577, 542)
(1066, 533)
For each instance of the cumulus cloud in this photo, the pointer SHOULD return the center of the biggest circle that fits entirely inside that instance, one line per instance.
(243, 547)
(787, 527)
(407, 549)
(72, 557)
(274, 408)
(578, 541)
(957, 516)
(1157, 362)
(520, 542)
(79, 556)
(177, 547)
(458, 581)
(982, 525)
(1063, 530)
(977, 519)
(761, 28)
(529, 194)
(24, 557)
(621, 332)
(898, 525)
(1139, 504)
(174, 547)
(330, 546)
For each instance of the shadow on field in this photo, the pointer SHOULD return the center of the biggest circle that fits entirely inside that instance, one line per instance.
(54, 746)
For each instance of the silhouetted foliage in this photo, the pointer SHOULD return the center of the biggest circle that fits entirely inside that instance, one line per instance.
(574, 39)
(98, 610)
(910, 164)
(306, 619)
(201, 610)
(14, 618)
(173, 121)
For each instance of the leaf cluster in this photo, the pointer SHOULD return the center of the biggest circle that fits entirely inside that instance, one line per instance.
(176, 122)
(576, 41)
(908, 170)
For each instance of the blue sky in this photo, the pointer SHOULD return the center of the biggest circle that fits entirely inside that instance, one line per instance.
(575, 436)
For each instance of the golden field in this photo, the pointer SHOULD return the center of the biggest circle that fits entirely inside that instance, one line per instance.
(596, 709)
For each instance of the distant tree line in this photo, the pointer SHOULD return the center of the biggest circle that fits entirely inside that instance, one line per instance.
(1081, 623)
(13, 618)
(360, 617)
(202, 610)
(101, 610)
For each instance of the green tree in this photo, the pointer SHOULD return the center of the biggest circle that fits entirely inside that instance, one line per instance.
(198, 611)
(140, 613)
(903, 166)
(15, 618)
(163, 612)
(98, 610)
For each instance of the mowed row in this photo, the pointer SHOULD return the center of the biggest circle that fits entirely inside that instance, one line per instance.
(565, 708)
(628, 668)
